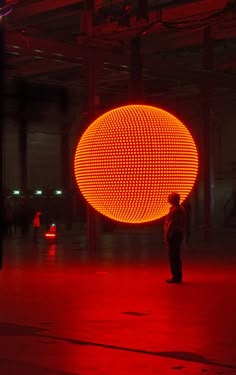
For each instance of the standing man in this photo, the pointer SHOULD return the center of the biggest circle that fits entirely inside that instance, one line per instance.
(174, 230)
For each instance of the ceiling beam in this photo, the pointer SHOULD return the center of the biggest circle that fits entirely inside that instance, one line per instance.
(184, 39)
(52, 49)
(40, 7)
(174, 13)
(43, 67)
(183, 73)
(72, 53)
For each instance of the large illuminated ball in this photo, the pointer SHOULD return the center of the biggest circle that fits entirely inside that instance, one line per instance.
(131, 158)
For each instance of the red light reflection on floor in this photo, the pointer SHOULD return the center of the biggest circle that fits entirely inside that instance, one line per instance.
(80, 307)
(52, 250)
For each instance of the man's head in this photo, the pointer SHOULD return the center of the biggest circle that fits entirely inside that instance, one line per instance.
(174, 199)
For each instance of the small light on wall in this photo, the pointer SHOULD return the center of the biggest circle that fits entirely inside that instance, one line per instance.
(58, 192)
(16, 192)
(38, 192)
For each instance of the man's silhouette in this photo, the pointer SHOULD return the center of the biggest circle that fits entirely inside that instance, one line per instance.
(174, 229)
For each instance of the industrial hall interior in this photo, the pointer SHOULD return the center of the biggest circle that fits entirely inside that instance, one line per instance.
(118, 168)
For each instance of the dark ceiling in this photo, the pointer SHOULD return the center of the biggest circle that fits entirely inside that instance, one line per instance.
(52, 42)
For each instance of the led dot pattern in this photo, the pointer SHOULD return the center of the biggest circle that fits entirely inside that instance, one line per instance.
(131, 158)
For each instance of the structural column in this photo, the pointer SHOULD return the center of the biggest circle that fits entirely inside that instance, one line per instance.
(92, 67)
(65, 142)
(207, 98)
(67, 200)
(93, 218)
(2, 115)
(136, 74)
(23, 134)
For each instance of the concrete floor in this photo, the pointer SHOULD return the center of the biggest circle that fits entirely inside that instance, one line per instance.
(64, 311)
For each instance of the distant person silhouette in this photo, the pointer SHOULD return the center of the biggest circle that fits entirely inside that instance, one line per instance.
(174, 231)
(36, 225)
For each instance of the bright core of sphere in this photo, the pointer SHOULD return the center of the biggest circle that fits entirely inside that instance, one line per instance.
(131, 158)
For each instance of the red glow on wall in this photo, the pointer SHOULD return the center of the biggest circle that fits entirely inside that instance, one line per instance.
(130, 159)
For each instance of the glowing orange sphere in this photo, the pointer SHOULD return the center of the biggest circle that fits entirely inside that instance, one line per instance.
(131, 158)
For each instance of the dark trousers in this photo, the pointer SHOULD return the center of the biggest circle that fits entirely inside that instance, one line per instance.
(174, 245)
